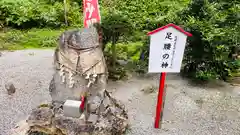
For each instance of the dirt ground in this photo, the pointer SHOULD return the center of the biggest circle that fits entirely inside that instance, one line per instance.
(190, 109)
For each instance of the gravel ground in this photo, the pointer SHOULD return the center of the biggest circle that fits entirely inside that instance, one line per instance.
(189, 110)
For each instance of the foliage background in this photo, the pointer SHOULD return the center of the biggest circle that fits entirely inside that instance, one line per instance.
(210, 54)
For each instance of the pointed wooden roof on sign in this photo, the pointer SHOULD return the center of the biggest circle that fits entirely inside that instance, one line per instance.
(170, 25)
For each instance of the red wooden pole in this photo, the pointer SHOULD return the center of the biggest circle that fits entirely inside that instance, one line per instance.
(159, 108)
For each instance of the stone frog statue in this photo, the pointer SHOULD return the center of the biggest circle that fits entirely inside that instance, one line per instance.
(80, 74)
(80, 66)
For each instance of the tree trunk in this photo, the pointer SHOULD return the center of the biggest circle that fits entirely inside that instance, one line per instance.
(114, 50)
(65, 12)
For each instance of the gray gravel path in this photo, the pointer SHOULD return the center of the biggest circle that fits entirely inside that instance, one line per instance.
(189, 110)
(30, 71)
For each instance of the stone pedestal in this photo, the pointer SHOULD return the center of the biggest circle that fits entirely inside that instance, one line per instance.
(112, 119)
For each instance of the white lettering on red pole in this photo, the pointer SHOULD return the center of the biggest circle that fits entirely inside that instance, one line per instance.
(90, 8)
(91, 21)
(91, 12)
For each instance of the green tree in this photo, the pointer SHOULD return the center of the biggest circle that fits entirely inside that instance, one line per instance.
(215, 39)
(114, 27)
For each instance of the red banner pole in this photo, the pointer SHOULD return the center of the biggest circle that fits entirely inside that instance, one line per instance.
(159, 107)
(84, 14)
(91, 15)
(91, 12)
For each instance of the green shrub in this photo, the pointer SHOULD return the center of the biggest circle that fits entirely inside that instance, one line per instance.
(37, 13)
(115, 70)
(215, 38)
(146, 14)
(129, 52)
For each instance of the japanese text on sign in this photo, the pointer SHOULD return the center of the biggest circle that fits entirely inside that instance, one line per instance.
(91, 12)
(168, 50)
(167, 45)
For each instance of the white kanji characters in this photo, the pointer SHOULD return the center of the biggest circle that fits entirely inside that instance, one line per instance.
(91, 21)
(89, 8)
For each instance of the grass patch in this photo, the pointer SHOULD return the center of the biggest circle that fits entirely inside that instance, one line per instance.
(25, 39)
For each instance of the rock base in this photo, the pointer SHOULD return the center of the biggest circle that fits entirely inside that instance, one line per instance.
(49, 119)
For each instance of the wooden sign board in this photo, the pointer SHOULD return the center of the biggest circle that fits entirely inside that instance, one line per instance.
(167, 46)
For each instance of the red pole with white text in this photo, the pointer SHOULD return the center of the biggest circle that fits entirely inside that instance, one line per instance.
(91, 12)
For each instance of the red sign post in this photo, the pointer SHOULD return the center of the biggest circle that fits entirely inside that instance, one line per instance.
(91, 12)
(160, 102)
